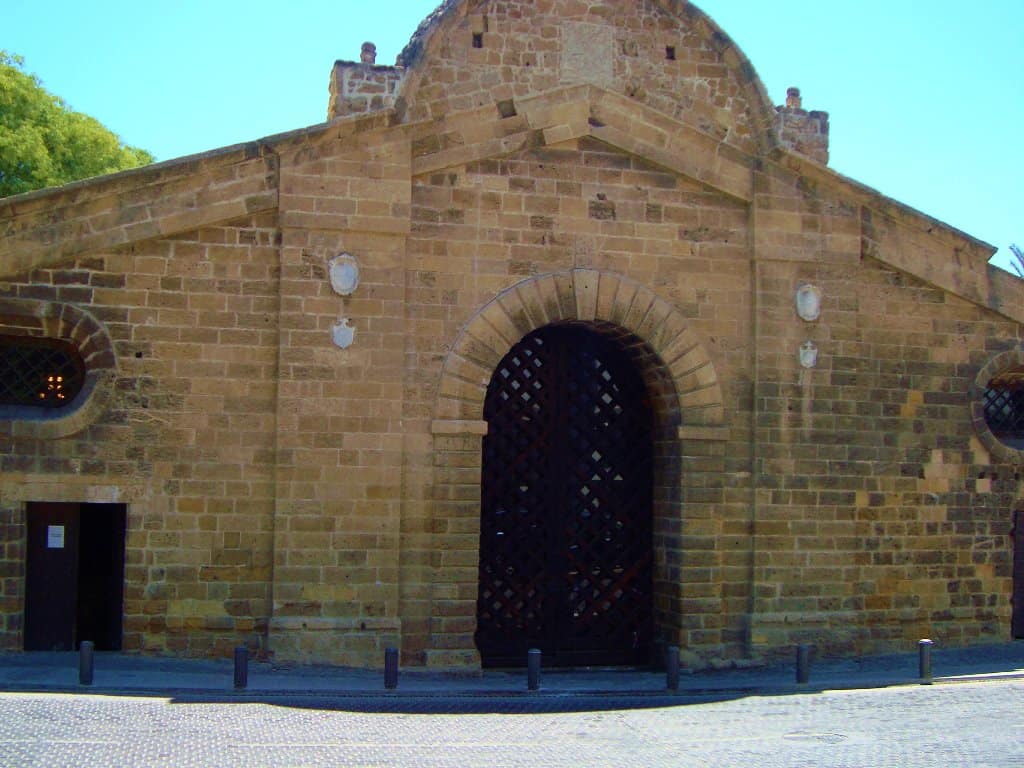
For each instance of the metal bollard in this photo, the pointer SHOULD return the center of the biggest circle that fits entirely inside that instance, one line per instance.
(924, 661)
(803, 663)
(241, 667)
(672, 668)
(533, 669)
(85, 662)
(390, 668)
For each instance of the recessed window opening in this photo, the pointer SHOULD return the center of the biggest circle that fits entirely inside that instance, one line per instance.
(670, 52)
(1004, 407)
(507, 108)
(478, 39)
(39, 372)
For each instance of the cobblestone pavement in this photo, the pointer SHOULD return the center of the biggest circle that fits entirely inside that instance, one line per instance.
(966, 724)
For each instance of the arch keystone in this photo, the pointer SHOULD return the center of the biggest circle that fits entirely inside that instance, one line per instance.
(585, 287)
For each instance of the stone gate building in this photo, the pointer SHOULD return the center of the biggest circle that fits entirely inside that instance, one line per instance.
(557, 333)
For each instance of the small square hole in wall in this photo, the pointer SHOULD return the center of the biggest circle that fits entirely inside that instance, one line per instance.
(670, 52)
(478, 39)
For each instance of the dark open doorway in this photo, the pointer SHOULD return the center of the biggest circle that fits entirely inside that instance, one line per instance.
(74, 575)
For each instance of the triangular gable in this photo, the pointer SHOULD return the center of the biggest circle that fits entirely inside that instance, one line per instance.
(49, 227)
(46, 228)
(573, 113)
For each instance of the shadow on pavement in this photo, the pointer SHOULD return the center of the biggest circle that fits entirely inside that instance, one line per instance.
(488, 704)
(197, 682)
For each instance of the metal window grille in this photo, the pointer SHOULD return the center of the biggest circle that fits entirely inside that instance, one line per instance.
(39, 372)
(1004, 410)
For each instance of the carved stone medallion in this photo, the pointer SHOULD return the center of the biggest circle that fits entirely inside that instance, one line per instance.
(808, 302)
(344, 272)
(343, 333)
(808, 354)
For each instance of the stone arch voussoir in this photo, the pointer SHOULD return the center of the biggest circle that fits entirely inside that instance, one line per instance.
(581, 295)
(1004, 361)
(30, 317)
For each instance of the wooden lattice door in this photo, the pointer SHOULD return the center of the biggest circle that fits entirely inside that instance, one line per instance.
(566, 520)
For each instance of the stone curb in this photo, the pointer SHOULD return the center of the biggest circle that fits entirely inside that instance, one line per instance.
(256, 694)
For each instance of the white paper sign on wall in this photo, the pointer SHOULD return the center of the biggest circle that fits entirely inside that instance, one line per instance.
(55, 537)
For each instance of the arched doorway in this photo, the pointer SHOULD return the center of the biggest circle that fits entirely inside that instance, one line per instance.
(566, 504)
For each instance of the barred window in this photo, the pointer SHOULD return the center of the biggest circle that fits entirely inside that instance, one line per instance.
(39, 372)
(1004, 407)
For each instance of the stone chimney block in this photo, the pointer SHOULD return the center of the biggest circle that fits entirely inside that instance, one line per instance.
(361, 87)
(802, 131)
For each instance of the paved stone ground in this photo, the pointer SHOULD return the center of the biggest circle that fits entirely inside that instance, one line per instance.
(966, 724)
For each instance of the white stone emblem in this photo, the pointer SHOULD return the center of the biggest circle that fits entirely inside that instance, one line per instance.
(808, 302)
(808, 354)
(343, 333)
(344, 273)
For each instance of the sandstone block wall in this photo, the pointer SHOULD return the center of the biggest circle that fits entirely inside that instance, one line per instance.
(878, 508)
(819, 480)
(188, 439)
(490, 52)
(479, 229)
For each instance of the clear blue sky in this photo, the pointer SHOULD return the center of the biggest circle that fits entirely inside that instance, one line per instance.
(926, 97)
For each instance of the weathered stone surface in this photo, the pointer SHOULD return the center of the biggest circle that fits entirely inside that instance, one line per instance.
(321, 504)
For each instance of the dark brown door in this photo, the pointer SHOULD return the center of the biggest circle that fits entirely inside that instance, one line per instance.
(1017, 622)
(74, 583)
(566, 537)
(51, 577)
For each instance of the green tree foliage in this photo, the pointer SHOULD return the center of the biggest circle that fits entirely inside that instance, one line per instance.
(44, 143)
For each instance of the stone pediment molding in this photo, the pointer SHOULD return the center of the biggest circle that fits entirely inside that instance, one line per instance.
(892, 233)
(918, 245)
(43, 229)
(575, 112)
(49, 227)
(601, 299)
